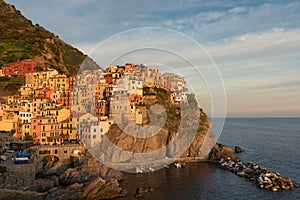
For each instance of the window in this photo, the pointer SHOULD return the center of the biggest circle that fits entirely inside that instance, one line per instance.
(95, 130)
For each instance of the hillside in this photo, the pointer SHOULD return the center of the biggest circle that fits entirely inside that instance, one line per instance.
(20, 39)
(9, 86)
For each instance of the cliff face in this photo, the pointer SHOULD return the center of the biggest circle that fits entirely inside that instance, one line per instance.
(20, 39)
(178, 126)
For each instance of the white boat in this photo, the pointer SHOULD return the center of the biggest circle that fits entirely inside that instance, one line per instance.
(151, 169)
(138, 170)
(25, 158)
(177, 165)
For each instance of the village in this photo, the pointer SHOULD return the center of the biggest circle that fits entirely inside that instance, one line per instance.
(54, 109)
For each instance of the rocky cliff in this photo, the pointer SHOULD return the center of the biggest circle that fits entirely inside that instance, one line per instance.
(181, 122)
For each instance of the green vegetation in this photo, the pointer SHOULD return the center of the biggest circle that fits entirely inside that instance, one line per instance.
(28, 137)
(20, 39)
(10, 85)
(12, 132)
(147, 91)
(31, 151)
(46, 159)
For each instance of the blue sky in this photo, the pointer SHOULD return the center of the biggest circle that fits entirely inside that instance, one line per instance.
(255, 44)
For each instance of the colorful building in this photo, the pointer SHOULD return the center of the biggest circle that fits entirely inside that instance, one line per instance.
(22, 67)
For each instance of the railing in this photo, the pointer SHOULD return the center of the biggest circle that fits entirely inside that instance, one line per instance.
(56, 146)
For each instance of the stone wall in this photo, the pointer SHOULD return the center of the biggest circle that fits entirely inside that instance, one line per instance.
(63, 152)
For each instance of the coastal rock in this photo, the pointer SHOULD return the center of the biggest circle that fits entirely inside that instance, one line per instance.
(45, 163)
(102, 189)
(55, 179)
(43, 185)
(55, 193)
(198, 143)
(71, 176)
(238, 149)
(76, 186)
(87, 171)
(49, 165)
(93, 166)
(6, 194)
(221, 151)
(142, 191)
(52, 189)
(261, 177)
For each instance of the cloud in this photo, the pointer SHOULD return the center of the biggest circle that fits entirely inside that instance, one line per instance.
(256, 67)
(255, 44)
(92, 20)
(215, 24)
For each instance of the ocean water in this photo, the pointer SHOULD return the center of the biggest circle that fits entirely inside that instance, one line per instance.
(272, 143)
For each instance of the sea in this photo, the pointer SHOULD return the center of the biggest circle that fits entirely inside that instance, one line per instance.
(272, 143)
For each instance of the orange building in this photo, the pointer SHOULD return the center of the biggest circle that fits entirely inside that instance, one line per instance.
(44, 93)
(129, 66)
(45, 130)
(135, 98)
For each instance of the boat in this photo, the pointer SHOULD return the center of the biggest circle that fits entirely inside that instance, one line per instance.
(151, 169)
(177, 165)
(23, 156)
(21, 160)
(138, 170)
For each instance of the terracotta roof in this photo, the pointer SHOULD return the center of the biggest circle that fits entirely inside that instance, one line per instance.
(77, 115)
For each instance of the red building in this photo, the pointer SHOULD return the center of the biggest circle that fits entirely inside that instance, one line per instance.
(22, 67)
(108, 78)
(135, 98)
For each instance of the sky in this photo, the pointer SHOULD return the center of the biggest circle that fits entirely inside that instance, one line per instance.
(255, 45)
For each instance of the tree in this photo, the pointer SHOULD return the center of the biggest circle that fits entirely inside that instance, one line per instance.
(12, 132)
(28, 137)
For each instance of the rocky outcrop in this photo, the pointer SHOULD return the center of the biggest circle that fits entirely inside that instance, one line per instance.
(186, 127)
(238, 149)
(76, 186)
(43, 185)
(87, 171)
(142, 191)
(17, 176)
(6, 194)
(221, 151)
(261, 177)
(101, 189)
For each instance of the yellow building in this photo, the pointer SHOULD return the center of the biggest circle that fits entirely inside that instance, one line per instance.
(39, 79)
(8, 121)
(59, 83)
(26, 90)
(68, 129)
(59, 114)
